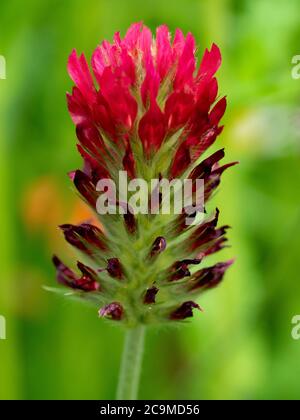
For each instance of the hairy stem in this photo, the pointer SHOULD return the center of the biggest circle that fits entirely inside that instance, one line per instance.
(131, 364)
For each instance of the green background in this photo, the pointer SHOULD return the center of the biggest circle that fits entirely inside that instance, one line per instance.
(242, 346)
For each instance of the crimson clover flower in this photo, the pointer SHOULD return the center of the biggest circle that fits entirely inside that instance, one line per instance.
(145, 108)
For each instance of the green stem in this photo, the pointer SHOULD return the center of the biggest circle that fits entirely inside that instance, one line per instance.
(131, 364)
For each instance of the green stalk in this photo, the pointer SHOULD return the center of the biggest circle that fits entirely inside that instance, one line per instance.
(131, 364)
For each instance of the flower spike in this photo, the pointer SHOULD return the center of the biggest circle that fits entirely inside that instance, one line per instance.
(144, 108)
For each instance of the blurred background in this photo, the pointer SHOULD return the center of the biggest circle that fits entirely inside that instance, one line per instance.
(242, 346)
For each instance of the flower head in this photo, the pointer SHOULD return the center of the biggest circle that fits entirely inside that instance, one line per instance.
(146, 108)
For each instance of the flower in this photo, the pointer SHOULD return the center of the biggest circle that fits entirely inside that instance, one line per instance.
(148, 109)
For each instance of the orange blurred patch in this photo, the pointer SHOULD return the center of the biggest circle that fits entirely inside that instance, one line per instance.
(82, 213)
(42, 206)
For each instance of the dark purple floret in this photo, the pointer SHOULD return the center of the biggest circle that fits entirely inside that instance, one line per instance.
(87, 282)
(180, 269)
(114, 268)
(184, 311)
(158, 246)
(150, 295)
(113, 311)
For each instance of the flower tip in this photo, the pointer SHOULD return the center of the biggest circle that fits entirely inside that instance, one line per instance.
(230, 262)
(217, 215)
(73, 54)
(64, 227)
(215, 50)
(163, 28)
(71, 63)
(72, 175)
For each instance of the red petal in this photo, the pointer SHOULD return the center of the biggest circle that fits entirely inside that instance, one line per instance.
(80, 74)
(122, 105)
(77, 106)
(164, 54)
(205, 141)
(178, 109)
(181, 161)
(90, 139)
(178, 44)
(152, 128)
(211, 62)
(132, 36)
(129, 162)
(187, 64)
(218, 111)
(151, 82)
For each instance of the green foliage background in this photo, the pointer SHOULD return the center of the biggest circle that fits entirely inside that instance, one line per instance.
(242, 346)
